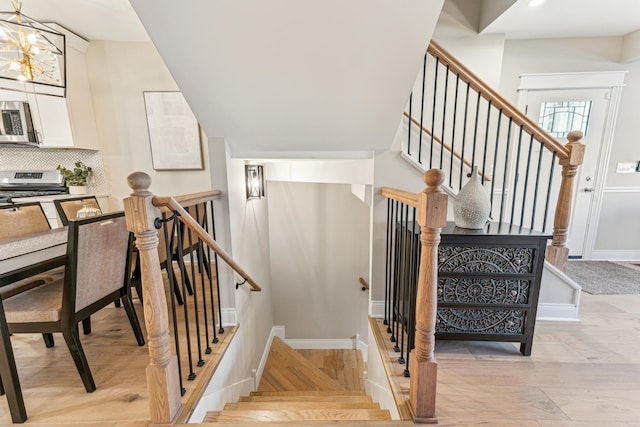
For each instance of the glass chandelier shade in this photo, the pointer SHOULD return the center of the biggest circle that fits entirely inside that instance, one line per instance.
(30, 51)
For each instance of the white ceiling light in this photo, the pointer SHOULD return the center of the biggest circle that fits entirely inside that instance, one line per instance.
(534, 3)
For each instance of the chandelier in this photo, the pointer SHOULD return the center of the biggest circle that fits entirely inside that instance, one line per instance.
(30, 52)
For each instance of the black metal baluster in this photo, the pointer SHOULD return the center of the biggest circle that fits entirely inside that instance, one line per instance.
(444, 117)
(192, 244)
(401, 272)
(211, 291)
(172, 293)
(495, 161)
(546, 207)
(464, 134)
(475, 132)
(388, 261)
(203, 269)
(183, 272)
(396, 260)
(215, 260)
(453, 130)
(506, 168)
(526, 181)
(424, 78)
(516, 175)
(405, 282)
(433, 112)
(486, 142)
(409, 124)
(535, 191)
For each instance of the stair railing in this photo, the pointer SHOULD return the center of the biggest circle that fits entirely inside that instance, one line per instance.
(455, 121)
(183, 224)
(429, 211)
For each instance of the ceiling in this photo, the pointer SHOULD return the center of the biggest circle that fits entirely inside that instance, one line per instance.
(116, 20)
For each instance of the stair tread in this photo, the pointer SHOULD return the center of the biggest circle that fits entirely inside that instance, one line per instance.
(314, 423)
(304, 415)
(290, 405)
(286, 369)
(309, 393)
(315, 398)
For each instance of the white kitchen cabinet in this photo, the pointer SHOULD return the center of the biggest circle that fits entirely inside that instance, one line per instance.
(51, 120)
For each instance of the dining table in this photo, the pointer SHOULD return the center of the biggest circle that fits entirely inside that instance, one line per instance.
(21, 258)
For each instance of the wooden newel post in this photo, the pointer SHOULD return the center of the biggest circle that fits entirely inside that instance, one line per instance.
(432, 216)
(558, 253)
(162, 373)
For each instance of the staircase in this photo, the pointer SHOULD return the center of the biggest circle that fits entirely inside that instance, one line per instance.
(323, 388)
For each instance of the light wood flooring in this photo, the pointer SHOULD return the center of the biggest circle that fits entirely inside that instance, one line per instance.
(579, 374)
(52, 389)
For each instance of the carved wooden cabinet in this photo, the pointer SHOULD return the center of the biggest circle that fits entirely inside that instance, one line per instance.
(488, 283)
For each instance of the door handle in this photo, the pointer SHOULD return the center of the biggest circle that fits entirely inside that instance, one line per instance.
(589, 190)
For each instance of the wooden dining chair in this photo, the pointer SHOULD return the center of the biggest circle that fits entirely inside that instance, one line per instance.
(68, 208)
(17, 221)
(96, 274)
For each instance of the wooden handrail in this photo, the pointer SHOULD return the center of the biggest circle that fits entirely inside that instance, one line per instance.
(445, 146)
(364, 283)
(187, 200)
(190, 222)
(405, 197)
(497, 100)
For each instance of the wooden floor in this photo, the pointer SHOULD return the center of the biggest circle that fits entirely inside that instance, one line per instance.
(52, 389)
(584, 374)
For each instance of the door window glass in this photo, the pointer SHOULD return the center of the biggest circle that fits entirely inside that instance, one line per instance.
(561, 117)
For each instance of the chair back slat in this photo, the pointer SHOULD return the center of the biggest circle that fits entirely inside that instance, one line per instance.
(100, 264)
(19, 220)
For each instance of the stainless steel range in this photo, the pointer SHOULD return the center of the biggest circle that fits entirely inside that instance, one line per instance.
(29, 183)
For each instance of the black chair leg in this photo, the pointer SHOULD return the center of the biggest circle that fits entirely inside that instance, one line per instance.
(48, 340)
(133, 319)
(72, 339)
(86, 325)
(176, 285)
(1, 388)
(117, 303)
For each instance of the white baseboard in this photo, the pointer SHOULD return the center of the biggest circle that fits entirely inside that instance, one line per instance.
(557, 312)
(229, 317)
(215, 401)
(276, 331)
(615, 255)
(326, 344)
(363, 347)
(377, 309)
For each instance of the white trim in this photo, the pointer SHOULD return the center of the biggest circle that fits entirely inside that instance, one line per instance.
(322, 344)
(276, 331)
(621, 190)
(377, 309)
(616, 255)
(551, 81)
(602, 169)
(557, 312)
(229, 317)
(363, 347)
(215, 401)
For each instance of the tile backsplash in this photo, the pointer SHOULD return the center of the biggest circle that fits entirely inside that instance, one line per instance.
(30, 158)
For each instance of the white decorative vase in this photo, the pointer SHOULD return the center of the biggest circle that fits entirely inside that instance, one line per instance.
(472, 205)
(77, 189)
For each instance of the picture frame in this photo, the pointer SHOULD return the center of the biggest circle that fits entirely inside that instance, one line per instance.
(174, 132)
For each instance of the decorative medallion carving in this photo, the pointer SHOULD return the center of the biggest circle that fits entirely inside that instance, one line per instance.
(485, 260)
(483, 291)
(480, 321)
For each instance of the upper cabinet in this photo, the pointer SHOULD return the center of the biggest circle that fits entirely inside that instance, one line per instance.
(64, 122)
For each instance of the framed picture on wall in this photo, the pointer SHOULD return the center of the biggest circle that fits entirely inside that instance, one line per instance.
(174, 132)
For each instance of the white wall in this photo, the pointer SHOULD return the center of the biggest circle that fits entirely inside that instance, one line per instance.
(118, 74)
(319, 248)
(249, 246)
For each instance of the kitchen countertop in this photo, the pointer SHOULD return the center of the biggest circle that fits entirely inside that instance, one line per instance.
(51, 198)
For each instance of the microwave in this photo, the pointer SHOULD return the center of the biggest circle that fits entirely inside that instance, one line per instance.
(16, 124)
